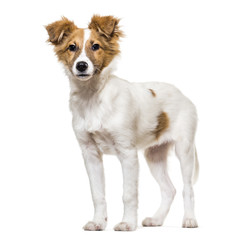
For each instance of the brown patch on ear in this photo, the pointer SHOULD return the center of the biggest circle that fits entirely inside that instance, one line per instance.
(106, 26)
(152, 92)
(59, 30)
(163, 124)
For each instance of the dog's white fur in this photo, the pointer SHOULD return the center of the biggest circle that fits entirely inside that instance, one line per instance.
(113, 116)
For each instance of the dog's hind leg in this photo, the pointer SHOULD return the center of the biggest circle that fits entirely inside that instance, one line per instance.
(186, 153)
(157, 161)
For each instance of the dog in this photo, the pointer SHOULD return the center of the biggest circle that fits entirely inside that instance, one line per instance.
(114, 116)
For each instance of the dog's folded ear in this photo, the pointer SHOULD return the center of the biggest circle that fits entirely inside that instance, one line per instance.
(59, 30)
(106, 26)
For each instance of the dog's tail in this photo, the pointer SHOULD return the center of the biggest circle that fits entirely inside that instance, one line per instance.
(196, 168)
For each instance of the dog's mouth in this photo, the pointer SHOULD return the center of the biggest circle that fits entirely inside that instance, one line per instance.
(83, 76)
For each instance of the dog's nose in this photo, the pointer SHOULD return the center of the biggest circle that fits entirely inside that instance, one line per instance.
(82, 66)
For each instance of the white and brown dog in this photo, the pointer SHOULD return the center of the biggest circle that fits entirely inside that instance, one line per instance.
(113, 116)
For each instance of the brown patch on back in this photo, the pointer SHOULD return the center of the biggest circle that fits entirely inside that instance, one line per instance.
(163, 124)
(152, 92)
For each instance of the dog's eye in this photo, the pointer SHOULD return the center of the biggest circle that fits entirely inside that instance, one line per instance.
(72, 48)
(95, 47)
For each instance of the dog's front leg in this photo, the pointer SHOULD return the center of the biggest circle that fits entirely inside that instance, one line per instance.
(94, 167)
(129, 161)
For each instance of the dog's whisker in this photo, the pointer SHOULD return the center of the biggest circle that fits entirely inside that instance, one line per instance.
(97, 68)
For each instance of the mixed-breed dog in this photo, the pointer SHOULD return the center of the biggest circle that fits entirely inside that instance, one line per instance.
(114, 116)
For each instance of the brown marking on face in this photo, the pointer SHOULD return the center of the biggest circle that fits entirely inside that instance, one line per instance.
(96, 57)
(63, 53)
(152, 92)
(163, 124)
(105, 32)
(62, 34)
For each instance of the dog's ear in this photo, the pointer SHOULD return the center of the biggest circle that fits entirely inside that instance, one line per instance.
(59, 30)
(106, 26)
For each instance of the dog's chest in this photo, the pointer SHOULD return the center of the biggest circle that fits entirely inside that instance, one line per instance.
(88, 115)
(94, 118)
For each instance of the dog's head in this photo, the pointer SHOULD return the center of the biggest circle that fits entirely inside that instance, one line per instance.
(85, 52)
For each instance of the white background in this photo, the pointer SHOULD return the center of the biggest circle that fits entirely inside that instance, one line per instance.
(44, 190)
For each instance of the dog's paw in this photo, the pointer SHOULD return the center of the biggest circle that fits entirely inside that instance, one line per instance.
(94, 226)
(152, 222)
(189, 223)
(125, 226)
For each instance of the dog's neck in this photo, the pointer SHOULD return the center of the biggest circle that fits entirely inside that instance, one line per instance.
(87, 90)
